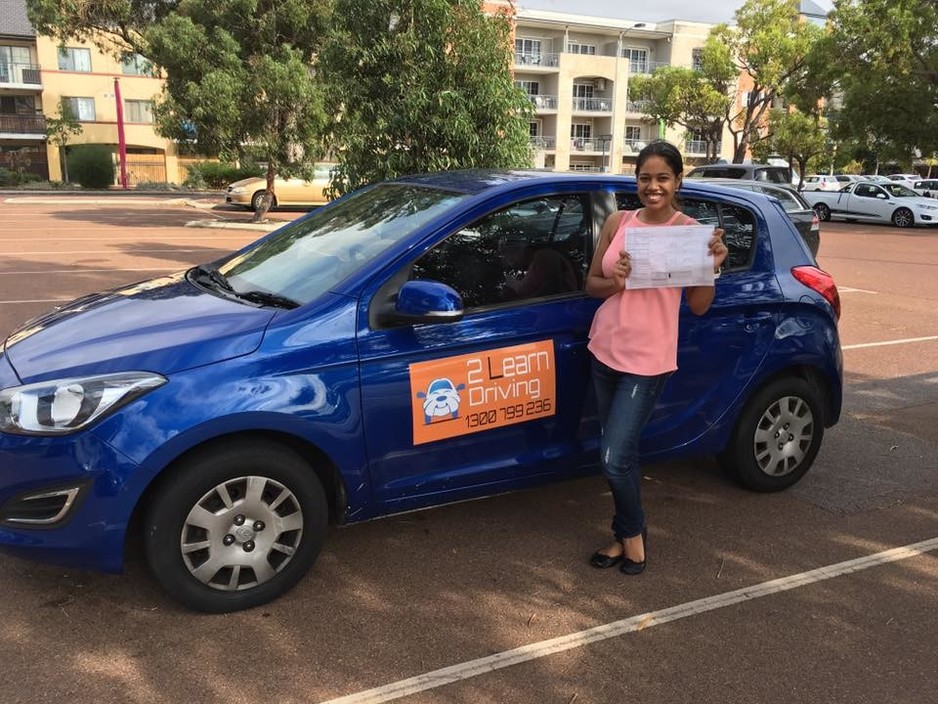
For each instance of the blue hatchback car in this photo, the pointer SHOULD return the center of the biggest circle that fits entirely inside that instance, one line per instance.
(416, 342)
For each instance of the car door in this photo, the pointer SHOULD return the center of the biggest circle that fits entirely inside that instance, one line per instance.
(869, 202)
(719, 352)
(495, 400)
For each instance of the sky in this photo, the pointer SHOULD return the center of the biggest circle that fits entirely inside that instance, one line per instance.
(712, 11)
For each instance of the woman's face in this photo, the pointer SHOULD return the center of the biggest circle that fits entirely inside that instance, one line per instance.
(657, 184)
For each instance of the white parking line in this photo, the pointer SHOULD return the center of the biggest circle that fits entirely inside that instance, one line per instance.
(111, 251)
(39, 300)
(466, 670)
(906, 341)
(118, 238)
(847, 289)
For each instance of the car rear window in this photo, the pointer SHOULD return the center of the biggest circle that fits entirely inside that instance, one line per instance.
(771, 174)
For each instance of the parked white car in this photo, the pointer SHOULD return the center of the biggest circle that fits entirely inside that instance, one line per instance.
(821, 182)
(875, 202)
(875, 178)
(926, 187)
(905, 179)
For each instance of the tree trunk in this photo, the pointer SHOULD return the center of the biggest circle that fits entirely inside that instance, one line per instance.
(261, 213)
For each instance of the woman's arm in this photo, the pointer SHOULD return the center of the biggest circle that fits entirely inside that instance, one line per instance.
(597, 285)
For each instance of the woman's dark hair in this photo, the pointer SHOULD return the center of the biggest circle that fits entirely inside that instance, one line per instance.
(666, 151)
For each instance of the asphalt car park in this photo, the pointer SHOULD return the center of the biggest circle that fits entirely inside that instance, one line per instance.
(461, 586)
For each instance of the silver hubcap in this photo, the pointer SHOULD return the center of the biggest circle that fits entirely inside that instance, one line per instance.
(241, 533)
(783, 436)
(903, 218)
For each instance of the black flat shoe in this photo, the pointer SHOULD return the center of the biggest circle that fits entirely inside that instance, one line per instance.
(601, 561)
(631, 567)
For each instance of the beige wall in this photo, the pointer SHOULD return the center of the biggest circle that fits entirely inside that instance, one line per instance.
(99, 85)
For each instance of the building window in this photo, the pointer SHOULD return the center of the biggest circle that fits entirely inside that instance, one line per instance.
(82, 108)
(71, 59)
(583, 90)
(136, 65)
(534, 128)
(529, 87)
(581, 130)
(139, 111)
(577, 48)
(696, 60)
(638, 59)
(17, 105)
(633, 133)
(528, 51)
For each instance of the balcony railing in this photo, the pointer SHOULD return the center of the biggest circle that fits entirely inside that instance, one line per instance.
(634, 145)
(19, 74)
(586, 168)
(544, 102)
(579, 144)
(544, 143)
(524, 58)
(637, 106)
(22, 124)
(698, 146)
(592, 104)
(643, 67)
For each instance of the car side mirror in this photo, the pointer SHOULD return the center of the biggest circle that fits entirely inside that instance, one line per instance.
(427, 302)
(882, 195)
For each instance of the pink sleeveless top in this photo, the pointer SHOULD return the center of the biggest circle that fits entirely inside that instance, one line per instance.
(635, 331)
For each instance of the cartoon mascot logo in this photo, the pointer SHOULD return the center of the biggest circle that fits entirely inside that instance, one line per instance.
(441, 399)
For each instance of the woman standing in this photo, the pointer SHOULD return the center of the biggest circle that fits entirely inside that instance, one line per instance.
(633, 340)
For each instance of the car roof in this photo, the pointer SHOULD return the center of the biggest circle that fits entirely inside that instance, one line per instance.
(474, 181)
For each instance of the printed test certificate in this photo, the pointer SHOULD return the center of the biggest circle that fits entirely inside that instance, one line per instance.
(669, 256)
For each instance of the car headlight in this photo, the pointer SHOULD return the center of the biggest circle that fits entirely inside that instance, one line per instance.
(237, 191)
(928, 207)
(63, 406)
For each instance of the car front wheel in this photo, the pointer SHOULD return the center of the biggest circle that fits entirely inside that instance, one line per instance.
(777, 436)
(257, 201)
(903, 218)
(823, 212)
(234, 528)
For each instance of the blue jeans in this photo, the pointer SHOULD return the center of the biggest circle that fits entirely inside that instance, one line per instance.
(624, 402)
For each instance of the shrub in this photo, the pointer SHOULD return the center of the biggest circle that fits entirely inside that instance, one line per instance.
(157, 186)
(217, 175)
(16, 178)
(91, 165)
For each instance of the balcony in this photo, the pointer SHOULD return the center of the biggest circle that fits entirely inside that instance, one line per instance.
(544, 102)
(20, 75)
(581, 144)
(634, 145)
(525, 59)
(603, 105)
(23, 126)
(645, 67)
(638, 107)
(547, 144)
(698, 146)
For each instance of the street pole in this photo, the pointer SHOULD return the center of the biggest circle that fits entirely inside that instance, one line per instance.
(121, 142)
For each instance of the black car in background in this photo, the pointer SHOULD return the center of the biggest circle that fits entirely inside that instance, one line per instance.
(797, 208)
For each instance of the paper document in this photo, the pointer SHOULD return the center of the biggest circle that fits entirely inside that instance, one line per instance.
(669, 256)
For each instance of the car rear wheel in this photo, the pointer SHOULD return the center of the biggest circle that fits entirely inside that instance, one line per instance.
(903, 218)
(822, 211)
(777, 436)
(237, 527)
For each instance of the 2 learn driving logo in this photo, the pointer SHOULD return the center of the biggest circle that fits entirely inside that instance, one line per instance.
(441, 400)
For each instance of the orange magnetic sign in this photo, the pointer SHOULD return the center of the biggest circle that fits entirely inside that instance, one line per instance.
(472, 392)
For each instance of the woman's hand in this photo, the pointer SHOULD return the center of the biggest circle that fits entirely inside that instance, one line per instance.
(621, 270)
(717, 249)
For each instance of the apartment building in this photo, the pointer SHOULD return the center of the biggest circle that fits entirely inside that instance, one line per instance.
(22, 124)
(37, 74)
(576, 71)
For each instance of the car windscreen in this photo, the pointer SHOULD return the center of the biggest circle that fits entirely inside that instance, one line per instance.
(308, 257)
(897, 191)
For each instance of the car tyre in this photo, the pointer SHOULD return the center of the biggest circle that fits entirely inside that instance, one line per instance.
(903, 217)
(237, 527)
(777, 436)
(257, 200)
(823, 212)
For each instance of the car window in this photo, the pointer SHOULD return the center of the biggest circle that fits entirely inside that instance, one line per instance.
(531, 249)
(735, 173)
(738, 223)
(898, 191)
(866, 191)
(788, 200)
(306, 258)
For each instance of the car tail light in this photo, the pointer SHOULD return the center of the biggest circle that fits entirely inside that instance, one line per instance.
(815, 223)
(820, 281)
